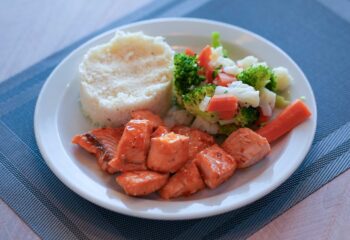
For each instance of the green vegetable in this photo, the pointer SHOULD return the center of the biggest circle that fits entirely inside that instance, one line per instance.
(185, 75)
(258, 77)
(215, 39)
(246, 117)
(272, 85)
(216, 72)
(215, 42)
(281, 102)
(192, 100)
(227, 129)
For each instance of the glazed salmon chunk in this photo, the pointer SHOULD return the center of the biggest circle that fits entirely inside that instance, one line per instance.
(168, 153)
(246, 147)
(154, 119)
(183, 183)
(215, 165)
(199, 140)
(160, 131)
(133, 147)
(141, 183)
(102, 142)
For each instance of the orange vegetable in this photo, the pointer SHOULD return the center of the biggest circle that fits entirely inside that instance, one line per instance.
(209, 74)
(189, 52)
(204, 57)
(203, 61)
(291, 116)
(262, 117)
(226, 115)
(224, 79)
(222, 103)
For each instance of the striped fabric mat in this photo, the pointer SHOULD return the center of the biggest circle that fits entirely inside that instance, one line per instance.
(315, 34)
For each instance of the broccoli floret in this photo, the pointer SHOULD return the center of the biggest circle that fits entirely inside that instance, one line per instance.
(281, 102)
(185, 74)
(272, 85)
(258, 77)
(246, 117)
(192, 100)
(227, 129)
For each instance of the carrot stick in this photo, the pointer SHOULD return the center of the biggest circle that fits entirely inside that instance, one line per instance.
(221, 103)
(288, 119)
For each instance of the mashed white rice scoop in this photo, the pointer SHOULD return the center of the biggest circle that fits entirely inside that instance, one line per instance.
(132, 71)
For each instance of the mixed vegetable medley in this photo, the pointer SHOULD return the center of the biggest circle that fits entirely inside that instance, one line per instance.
(224, 94)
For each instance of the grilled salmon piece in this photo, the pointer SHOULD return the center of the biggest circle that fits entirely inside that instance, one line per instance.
(168, 153)
(102, 142)
(154, 119)
(199, 140)
(246, 147)
(215, 165)
(133, 147)
(141, 183)
(183, 130)
(183, 183)
(160, 131)
(87, 141)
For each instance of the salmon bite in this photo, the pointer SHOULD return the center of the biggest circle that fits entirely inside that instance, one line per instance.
(144, 153)
(168, 153)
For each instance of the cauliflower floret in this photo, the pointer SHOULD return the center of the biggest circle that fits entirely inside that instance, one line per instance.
(218, 59)
(225, 62)
(260, 64)
(216, 53)
(204, 104)
(206, 126)
(283, 78)
(247, 62)
(267, 101)
(219, 90)
(233, 70)
(176, 116)
(247, 95)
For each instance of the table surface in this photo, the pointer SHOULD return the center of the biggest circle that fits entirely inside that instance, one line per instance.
(35, 29)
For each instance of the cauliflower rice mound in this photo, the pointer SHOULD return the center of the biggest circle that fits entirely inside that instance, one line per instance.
(132, 71)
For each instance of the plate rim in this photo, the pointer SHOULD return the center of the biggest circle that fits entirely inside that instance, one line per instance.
(162, 216)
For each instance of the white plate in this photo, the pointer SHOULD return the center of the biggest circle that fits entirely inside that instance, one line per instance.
(58, 118)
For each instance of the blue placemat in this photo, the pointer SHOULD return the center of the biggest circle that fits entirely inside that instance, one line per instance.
(315, 36)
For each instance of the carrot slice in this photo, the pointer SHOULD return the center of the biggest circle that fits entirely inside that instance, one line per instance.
(223, 103)
(209, 74)
(291, 116)
(226, 115)
(189, 52)
(204, 57)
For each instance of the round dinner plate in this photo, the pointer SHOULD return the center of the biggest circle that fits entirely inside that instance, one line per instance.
(58, 118)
